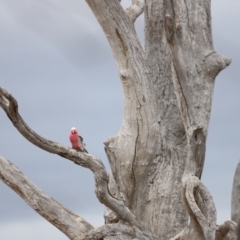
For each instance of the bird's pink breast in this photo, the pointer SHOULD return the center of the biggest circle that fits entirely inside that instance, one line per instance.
(74, 140)
(73, 137)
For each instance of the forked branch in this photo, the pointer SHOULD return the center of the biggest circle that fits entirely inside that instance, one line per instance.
(67, 222)
(195, 64)
(127, 50)
(136, 9)
(10, 106)
(201, 210)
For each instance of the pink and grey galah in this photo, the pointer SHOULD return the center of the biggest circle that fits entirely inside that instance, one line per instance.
(77, 141)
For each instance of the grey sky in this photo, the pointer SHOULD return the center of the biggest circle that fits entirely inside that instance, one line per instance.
(56, 61)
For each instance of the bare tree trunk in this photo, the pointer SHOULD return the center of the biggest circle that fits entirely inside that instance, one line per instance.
(158, 155)
(168, 92)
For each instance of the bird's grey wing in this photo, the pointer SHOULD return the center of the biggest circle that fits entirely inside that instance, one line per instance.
(83, 144)
(80, 138)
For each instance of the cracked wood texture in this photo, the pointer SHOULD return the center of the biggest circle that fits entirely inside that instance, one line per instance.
(235, 211)
(10, 106)
(62, 218)
(168, 89)
(158, 155)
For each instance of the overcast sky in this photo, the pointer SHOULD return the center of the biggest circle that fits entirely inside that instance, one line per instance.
(56, 61)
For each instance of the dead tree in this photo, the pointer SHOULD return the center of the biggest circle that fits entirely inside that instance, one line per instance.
(158, 155)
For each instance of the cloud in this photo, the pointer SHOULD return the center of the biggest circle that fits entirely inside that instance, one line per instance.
(39, 229)
(57, 62)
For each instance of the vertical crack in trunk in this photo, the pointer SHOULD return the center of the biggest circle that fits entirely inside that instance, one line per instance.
(183, 105)
(172, 77)
(135, 156)
(124, 46)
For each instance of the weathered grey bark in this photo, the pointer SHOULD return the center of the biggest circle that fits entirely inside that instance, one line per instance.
(168, 92)
(68, 222)
(119, 231)
(227, 231)
(158, 155)
(202, 212)
(10, 106)
(235, 207)
(135, 9)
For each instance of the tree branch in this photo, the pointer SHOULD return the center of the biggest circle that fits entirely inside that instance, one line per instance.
(227, 230)
(109, 215)
(139, 97)
(67, 222)
(122, 231)
(201, 210)
(136, 9)
(10, 106)
(116, 231)
(201, 207)
(196, 69)
(127, 51)
(235, 205)
(195, 65)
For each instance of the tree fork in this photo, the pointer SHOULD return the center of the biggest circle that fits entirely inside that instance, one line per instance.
(160, 146)
(158, 155)
(10, 106)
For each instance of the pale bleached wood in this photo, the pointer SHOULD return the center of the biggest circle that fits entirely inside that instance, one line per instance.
(10, 106)
(227, 231)
(202, 212)
(195, 65)
(159, 151)
(109, 215)
(67, 222)
(136, 9)
(112, 231)
(235, 206)
(167, 97)
(118, 231)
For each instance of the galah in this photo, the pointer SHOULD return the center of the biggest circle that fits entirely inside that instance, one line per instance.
(77, 141)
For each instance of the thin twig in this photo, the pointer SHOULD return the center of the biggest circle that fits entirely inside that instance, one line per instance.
(136, 9)
(67, 222)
